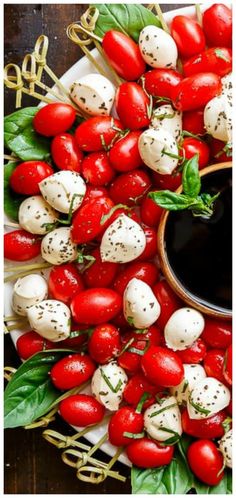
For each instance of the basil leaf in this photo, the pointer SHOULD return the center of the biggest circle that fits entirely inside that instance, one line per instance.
(170, 200)
(12, 200)
(129, 19)
(221, 55)
(30, 393)
(191, 179)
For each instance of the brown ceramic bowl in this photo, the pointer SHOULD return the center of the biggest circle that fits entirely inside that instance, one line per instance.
(177, 286)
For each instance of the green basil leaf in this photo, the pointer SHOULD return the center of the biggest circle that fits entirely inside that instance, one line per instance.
(12, 200)
(221, 55)
(191, 179)
(170, 200)
(147, 481)
(129, 19)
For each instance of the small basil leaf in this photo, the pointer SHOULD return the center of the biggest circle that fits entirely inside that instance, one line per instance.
(12, 200)
(170, 200)
(191, 179)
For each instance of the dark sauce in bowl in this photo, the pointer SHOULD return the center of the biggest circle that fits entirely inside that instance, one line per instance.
(199, 250)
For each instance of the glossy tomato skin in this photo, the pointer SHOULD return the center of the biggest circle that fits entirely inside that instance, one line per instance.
(167, 182)
(129, 188)
(138, 385)
(53, 119)
(93, 193)
(86, 223)
(81, 410)
(132, 106)
(206, 461)
(150, 212)
(100, 273)
(77, 341)
(126, 419)
(217, 333)
(96, 133)
(129, 360)
(150, 250)
(72, 371)
(215, 60)
(145, 271)
(227, 368)
(26, 177)
(162, 366)
(65, 152)
(160, 82)
(124, 155)
(217, 25)
(95, 306)
(124, 55)
(208, 428)
(20, 245)
(195, 91)
(195, 353)
(64, 282)
(168, 301)
(146, 453)
(191, 146)
(188, 35)
(97, 170)
(104, 343)
(193, 122)
(213, 364)
(218, 151)
(31, 343)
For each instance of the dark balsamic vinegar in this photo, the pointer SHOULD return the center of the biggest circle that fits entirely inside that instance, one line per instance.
(200, 250)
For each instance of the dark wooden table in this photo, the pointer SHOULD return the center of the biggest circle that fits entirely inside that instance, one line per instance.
(33, 466)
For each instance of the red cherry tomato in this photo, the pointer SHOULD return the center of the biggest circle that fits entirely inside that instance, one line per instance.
(124, 155)
(214, 60)
(77, 341)
(20, 245)
(126, 419)
(136, 387)
(160, 82)
(128, 360)
(147, 272)
(217, 333)
(227, 369)
(167, 182)
(150, 250)
(30, 343)
(53, 119)
(95, 306)
(86, 223)
(162, 366)
(168, 301)
(188, 36)
(217, 25)
(129, 188)
(193, 122)
(65, 152)
(26, 177)
(104, 343)
(72, 371)
(94, 193)
(97, 169)
(213, 364)
(147, 453)
(100, 273)
(220, 151)
(208, 428)
(64, 282)
(132, 106)
(206, 461)
(194, 354)
(150, 212)
(195, 91)
(97, 133)
(81, 410)
(191, 146)
(124, 55)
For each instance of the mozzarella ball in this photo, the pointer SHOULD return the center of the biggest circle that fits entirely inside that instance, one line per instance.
(169, 119)
(157, 47)
(35, 213)
(140, 305)
(108, 384)
(227, 85)
(165, 414)
(123, 241)
(57, 246)
(50, 319)
(27, 291)
(218, 118)
(192, 375)
(155, 148)
(208, 396)
(94, 94)
(183, 328)
(226, 448)
(63, 188)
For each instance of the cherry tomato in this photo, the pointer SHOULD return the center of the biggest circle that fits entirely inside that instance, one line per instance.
(97, 169)
(76, 341)
(150, 250)
(150, 212)
(213, 364)
(124, 155)
(160, 82)
(132, 105)
(195, 91)
(217, 333)
(129, 188)
(209, 428)
(220, 151)
(86, 223)
(162, 367)
(167, 182)
(72, 371)
(217, 25)
(206, 461)
(227, 369)
(53, 119)
(94, 193)
(126, 419)
(130, 360)
(194, 354)
(169, 302)
(26, 177)
(193, 122)
(104, 343)
(191, 146)
(20, 245)
(65, 152)
(95, 306)
(188, 36)
(100, 273)
(97, 133)
(124, 55)
(64, 282)
(81, 410)
(215, 60)
(145, 271)
(136, 387)
(147, 453)
(30, 343)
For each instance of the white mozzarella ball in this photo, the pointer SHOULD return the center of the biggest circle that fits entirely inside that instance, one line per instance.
(123, 241)
(108, 384)
(165, 414)
(50, 319)
(192, 375)
(226, 448)
(218, 118)
(169, 119)
(183, 328)
(227, 85)
(94, 94)
(207, 397)
(61, 188)
(157, 47)
(155, 148)
(140, 305)
(57, 246)
(27, 291)
(35, 213)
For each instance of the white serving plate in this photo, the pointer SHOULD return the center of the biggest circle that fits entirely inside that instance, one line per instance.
(79, 69)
